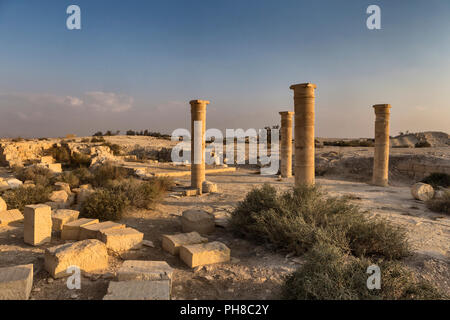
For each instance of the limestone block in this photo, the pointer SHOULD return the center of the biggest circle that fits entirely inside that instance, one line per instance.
(10, 216)
(61, 217)
(3, 206)
(92, 231)
(144, 270)
(221, 218)
(55, 167)
(71, 230)
(172, 243)
(138, 290)
(206, 253)
(62, 186)
(190, 192)
(14, 183)
(422, 191)
(4, 186)
(47, 160)
(197, 220)
(88, 255)
(16, 282)
(59, 196)
(37, 224)
(208, 187)
(124, 239)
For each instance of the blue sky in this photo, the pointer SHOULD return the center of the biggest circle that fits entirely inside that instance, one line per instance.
(136, 64)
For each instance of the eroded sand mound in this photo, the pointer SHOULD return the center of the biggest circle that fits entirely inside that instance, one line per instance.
(435, 139)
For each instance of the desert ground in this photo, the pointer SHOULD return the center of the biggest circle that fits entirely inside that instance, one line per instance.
(254, 271)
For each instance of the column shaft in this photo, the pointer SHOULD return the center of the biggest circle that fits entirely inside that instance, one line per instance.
(198, 113)
(304, 99)
(381, 153)
(286, 144)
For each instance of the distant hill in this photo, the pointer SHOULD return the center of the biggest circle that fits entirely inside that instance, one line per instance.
(435, 139)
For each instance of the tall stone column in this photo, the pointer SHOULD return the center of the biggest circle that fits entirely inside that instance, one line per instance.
(381, 154)
(198, 128)
(304, 99)
(286, 144)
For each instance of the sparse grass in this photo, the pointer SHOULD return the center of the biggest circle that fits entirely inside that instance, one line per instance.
(437, 180)
(296, 220)
(41, 176)
(331, 273)
(20, 197)
(104, 204)
(440, 204)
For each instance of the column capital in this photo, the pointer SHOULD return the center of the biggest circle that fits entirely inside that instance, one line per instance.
(192, 102)
(301, 86)
(382, 108)
(286, 113)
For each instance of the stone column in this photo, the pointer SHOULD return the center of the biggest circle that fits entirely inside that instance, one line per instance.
(304, 133)
(198, 127)
(286, 144)
(381, 154)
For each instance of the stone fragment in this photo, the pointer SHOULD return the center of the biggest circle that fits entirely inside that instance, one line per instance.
(16, 282)
(190, 192)
(59, 196)
(172, 243)
(71, 230)
(4, 186)
(209, 187)
(139, 290)
(37, 224)
(14, 183)
(10, 216)
(61, 217)
(144, 270)
(206, 253)
(422, 191)
(221, 218)
(88, 255)
(47, 160)
(55, 167)
(62, 186)
(3, 206)
(92, 231)
(197, 220)
(124, 239)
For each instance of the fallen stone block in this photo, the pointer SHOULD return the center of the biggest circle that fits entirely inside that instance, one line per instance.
(138, 290)
(190, 192)
(92, 231)
(88, 255)
(16, 282)
(3, 206)
(119, 240)
(221, 218)
(10, 216)
(59, 196)
(144, 270)
(62, 186)
(55, 167)
(14, 183)
(422, 191)
(37, 224)
(61, 217)
(71, 230)
(172, 243)
(197, 220)
(206, 253)
(4, 186)
(47, 160)
(209, 187)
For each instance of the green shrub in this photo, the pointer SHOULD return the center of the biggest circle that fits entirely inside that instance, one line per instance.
(440, 204)
(104, 204)
(97, 139)
(115, 148)
(20, 197)
(438, 180)
(329, 273)
(80, 160)
(60, 153)
(85, 140)
(296, 220)
(39, 175)
(422, 144)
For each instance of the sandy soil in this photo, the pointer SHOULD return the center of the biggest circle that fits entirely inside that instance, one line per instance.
(255, 272)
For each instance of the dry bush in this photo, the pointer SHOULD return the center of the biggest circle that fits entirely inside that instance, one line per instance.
(39, 175)
(296, 220)
(104, 204)
(329, 273)
(437, 180)
(20, 197)
(69, 177)
(104, 174)
(440, 204)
